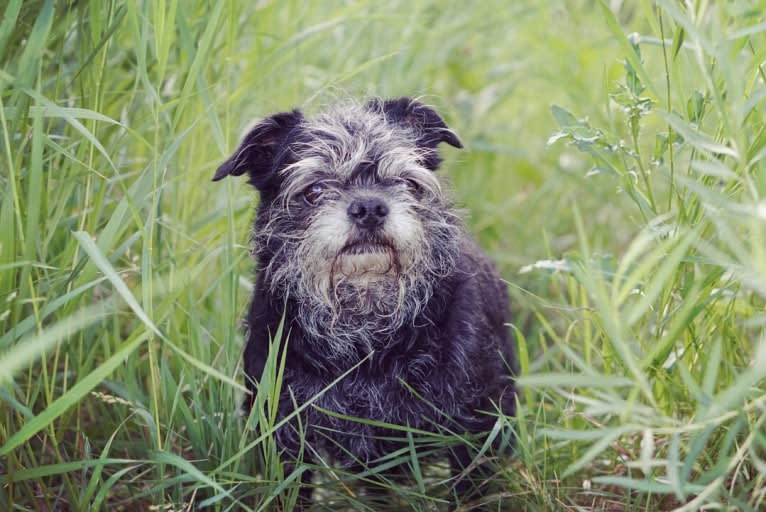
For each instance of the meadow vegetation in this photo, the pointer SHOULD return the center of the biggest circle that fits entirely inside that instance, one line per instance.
(614, 170)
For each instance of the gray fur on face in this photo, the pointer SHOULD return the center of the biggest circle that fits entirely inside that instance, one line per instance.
(347, 298)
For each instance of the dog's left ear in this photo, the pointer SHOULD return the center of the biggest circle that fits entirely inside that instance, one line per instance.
(259, 149)
(429, 128)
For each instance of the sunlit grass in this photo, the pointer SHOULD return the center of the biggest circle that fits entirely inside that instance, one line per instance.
(614, 171)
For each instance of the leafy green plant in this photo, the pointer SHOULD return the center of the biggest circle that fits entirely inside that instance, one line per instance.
(677, 317)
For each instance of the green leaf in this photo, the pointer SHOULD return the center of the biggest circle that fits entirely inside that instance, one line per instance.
(187, 467)
(546, 380)
(608, 436)
(678, 40)
(699, 141)
(26, 351)
(92, 250)
(628, 48)
(60, 469)
(71, 397)
(563, 117)
(635, 484)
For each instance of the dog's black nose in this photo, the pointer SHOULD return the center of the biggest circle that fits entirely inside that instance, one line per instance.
(368, 213)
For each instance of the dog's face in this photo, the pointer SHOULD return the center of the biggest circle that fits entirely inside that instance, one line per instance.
(353, 221)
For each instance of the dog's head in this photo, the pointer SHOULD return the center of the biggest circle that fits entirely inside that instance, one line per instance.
(352, 215)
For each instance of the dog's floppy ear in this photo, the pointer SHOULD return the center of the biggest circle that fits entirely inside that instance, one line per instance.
(429, 128)
(259, 148)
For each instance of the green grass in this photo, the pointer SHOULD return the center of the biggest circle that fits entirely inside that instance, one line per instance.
(614, 170)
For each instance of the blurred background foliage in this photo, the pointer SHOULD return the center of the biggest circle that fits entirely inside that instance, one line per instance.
(613, 170)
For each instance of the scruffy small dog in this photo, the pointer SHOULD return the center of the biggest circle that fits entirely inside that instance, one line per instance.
(364, 257)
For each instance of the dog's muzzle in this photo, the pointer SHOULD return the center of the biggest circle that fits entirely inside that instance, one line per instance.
(365, 248)
(367, 254)
(368, 241)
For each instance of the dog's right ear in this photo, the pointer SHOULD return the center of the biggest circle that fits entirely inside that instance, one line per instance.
(259, 149)
(429, 128)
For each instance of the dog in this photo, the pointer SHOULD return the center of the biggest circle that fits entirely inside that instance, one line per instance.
(362, 258)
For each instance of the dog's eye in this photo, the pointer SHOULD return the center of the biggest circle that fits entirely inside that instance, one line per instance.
(414, 187)
(313, 193)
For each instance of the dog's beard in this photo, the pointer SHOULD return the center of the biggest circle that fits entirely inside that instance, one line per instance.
(362, 313)
(353, 296)
(355, 302)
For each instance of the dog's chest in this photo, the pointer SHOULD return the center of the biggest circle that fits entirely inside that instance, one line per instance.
(405, 392)
(399, 398)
